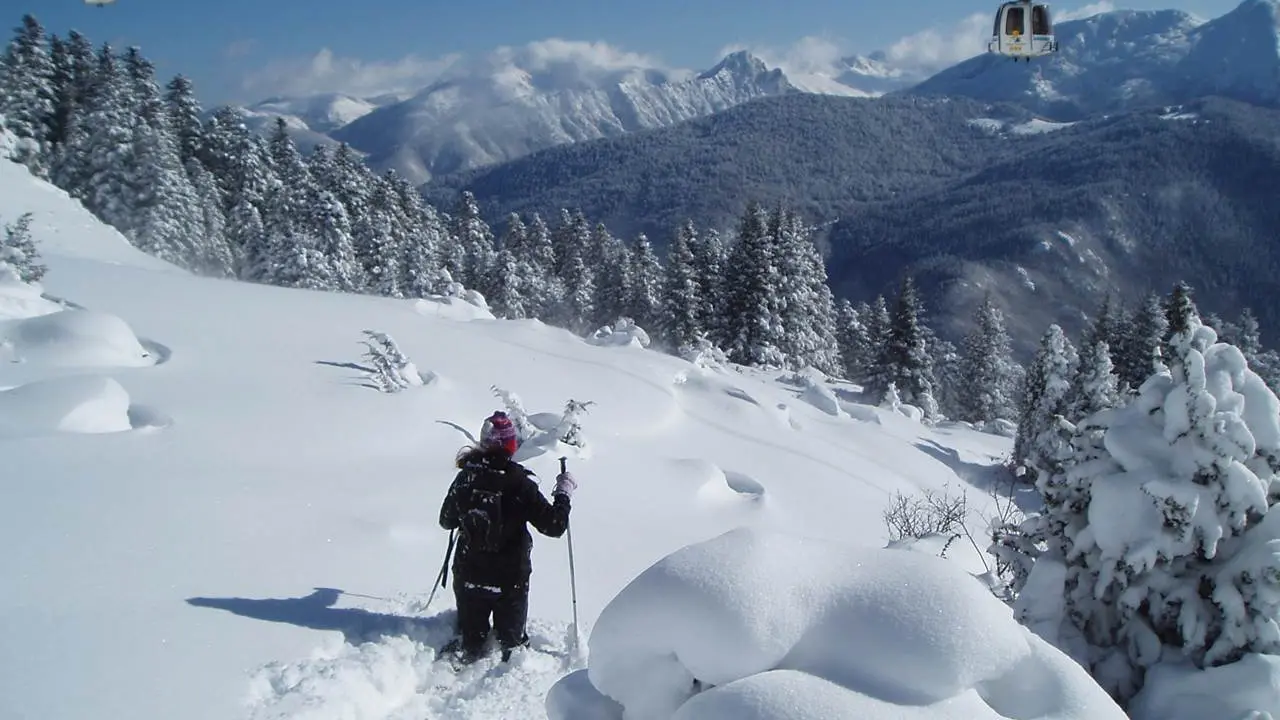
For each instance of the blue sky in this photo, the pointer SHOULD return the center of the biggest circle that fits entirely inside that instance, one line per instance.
(243, 50)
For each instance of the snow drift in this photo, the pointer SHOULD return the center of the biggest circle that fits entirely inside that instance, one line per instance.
(74, 338)
(759, 624)
(79, 404)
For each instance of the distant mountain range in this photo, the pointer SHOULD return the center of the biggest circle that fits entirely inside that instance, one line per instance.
(1145, 151)
(1126, 162)
(506, 105)
(1128, 59)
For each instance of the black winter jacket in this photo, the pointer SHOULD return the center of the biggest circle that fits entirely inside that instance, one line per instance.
(522, 505)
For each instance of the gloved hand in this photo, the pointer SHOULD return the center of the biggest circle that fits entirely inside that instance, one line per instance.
(565, 485)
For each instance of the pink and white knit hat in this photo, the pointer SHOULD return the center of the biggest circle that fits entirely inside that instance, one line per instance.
(498, 431)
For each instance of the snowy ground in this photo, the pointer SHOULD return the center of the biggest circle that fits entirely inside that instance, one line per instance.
(205, 513)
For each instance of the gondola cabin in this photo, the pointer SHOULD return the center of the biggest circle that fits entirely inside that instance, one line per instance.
(1023, 29)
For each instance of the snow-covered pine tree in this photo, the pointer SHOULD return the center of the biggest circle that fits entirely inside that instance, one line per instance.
(1140, 347)
(91, 166)
(906, 360)
(396, 369)
(238, 160)
(27, 94)
(61, 82)
(948, 371)
(848, 329)
(184, 117)
(807, 305)
(295, 258)
(874, 376)
(753, 305)
(644, 302)
(1044, 399)
(1095, 385)
(1179, 311)
(163, 216)
(1248, 337)
(1176, 560)
(422, 269)
(18, 250)
(681, 324)
(711, 261)
(571, 249)
(1108, 326)
(331, 228)
(987, 371)
(475, 238)
(614, 276)
(578, 304)
(379, 241)
(516, 237)
(214, 254)
(569, 431)
(545, 293)
(509, 289)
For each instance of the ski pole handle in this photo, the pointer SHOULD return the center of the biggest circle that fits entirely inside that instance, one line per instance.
(562, 464)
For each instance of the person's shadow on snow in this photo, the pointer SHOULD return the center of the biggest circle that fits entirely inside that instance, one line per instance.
(316, 611)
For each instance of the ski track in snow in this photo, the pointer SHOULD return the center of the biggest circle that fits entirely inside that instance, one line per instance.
(394, 673)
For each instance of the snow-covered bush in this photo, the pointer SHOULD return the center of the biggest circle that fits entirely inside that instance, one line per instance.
(755, 624)
(1158, 543)
(623, 332)
(570, 429)
(930, 513)
(704, 354)
(392, 371)
(18, 250)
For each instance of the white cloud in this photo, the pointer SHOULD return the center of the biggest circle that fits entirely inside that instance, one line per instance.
(1085, 11)
(555, 61)
(810, 54)
(933, 49)
(921, 53)
(326, 72)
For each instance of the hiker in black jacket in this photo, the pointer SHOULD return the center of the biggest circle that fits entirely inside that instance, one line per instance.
(491, 502)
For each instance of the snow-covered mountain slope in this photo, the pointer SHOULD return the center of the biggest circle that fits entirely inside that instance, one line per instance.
(1129, 58)
(264, 123)
(1105, 63)
(309, 119)
(510, 107)
(321, 113)
(516, 100)
(205, 512)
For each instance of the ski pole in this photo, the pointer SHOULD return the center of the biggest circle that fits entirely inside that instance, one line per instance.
(442, 578)
(573, 581)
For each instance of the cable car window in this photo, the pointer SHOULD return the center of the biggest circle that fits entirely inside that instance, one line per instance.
(1013, 21)
(1040, 21)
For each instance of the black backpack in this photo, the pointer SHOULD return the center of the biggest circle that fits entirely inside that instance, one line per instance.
(480, 509)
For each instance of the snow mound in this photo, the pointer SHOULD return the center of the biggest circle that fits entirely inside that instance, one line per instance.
(625, 333)
(731, 487)
(817, 394)
(75, 338)
(77, 404)
(1183, 692)
(759, 624)
(470, 307)
(394, 672)
(19, 300)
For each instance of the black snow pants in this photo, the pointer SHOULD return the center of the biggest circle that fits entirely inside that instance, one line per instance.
(509, 607)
